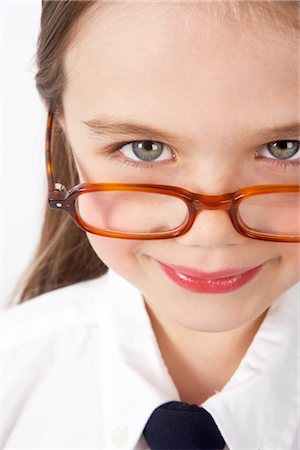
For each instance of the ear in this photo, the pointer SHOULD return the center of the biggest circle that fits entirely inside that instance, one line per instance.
(60, 119)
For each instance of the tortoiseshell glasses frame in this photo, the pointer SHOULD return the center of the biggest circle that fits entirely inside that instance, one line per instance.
(60, 198)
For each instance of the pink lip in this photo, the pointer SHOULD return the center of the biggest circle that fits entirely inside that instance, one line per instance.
(213, 282)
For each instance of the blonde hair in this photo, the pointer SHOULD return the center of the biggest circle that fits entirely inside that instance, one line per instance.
(64, 255)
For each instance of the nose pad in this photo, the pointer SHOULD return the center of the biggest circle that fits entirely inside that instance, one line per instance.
(212, 228)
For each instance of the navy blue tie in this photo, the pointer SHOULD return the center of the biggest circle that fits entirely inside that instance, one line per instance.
(181, 426)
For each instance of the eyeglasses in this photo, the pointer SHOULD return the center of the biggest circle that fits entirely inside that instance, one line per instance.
(152, 211)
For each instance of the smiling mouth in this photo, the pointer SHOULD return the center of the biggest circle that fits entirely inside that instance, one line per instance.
(215, 282)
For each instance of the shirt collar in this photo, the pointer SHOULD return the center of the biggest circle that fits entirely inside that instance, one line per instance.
(257, 408)
(133, 377)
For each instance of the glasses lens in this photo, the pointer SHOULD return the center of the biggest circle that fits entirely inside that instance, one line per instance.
(272, 214)
(132, 212)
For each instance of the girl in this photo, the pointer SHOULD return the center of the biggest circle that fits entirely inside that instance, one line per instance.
(173, 144)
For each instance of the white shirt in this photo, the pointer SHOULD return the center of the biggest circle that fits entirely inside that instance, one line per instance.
(82, 370)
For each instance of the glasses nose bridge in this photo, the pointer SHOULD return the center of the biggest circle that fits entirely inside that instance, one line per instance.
(213, 202)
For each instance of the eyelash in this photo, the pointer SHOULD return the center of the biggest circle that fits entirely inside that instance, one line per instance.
(113, 153)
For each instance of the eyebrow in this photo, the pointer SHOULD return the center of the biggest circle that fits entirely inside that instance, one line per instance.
(109, 127)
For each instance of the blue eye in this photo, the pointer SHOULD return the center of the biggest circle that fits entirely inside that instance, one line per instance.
(146, 151)
(147, 154)
(283, 150)
(283, 153)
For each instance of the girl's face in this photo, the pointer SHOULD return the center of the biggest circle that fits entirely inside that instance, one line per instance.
(211, 86)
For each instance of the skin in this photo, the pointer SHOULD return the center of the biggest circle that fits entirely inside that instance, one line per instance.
(213, 82)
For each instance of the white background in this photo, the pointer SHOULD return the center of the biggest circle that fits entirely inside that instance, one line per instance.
(23, 122)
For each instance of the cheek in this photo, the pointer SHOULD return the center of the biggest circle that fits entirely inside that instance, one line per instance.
(118, 254)
(290, 261)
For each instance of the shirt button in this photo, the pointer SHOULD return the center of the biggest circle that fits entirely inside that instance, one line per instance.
(120, 435)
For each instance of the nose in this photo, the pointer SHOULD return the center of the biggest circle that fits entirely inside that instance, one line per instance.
(212, 228)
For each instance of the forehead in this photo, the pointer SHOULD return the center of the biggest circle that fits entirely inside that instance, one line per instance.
(166, 58)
